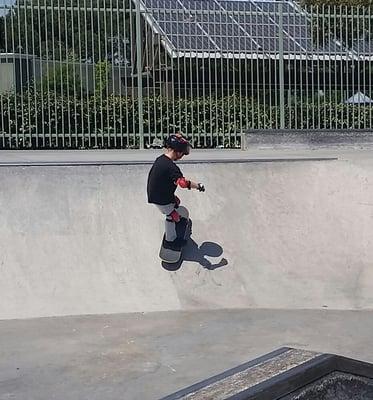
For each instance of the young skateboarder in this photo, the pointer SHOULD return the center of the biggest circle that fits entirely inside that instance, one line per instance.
(164, 177)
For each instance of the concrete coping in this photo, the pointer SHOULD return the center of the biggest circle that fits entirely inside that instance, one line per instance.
(273, 375)
(311, 139)
(146, 157)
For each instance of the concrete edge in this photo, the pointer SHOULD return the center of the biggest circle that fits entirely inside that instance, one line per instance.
(307, 139)
(150, 162)
(200, 385)
(279, 386)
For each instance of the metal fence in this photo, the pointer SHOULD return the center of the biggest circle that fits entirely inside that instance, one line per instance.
(123, 74)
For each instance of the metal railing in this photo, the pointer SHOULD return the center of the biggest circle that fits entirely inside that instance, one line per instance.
(123, 74)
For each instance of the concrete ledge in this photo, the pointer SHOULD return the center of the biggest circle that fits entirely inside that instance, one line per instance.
(273, 376)
(309, 139)
(31, 158)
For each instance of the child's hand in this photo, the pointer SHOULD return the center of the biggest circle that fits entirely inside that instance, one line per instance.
(200, 187)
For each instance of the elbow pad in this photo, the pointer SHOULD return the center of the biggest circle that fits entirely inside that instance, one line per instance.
(183, 183)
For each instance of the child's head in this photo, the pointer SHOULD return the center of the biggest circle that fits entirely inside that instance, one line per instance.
(177, 145)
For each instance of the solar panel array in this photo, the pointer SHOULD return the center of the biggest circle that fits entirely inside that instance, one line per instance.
(236, 27)
(363, 48)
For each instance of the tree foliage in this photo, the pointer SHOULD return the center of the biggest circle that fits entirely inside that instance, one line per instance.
(353, 3)
(350, 23)
(91, 30)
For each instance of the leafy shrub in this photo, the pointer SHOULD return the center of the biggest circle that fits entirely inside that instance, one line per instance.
(42, 119)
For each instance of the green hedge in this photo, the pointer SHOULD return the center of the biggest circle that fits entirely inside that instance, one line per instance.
(36, 119)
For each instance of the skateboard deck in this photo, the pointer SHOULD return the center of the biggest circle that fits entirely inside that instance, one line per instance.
(173, 256)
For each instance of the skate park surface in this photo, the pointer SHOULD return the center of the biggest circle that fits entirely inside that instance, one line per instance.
(280, 255)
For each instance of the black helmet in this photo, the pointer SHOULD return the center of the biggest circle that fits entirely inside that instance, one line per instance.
(178, 143)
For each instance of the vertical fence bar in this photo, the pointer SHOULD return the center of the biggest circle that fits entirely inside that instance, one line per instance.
(196, 119)
(252, 68)
(112, 81)
(302, 63)
(105, 75)
(166, 82)
(147, 47)
(190, 75)
(357, 69)
(295, 83)
(3, 14)
(306, 78)
(362, 62)
(353, 66)
(322, 92)
(342, 62)
(173, 99)
(98, 73)
(160, 80)
(216, 109)
(34, 85)
(127, 12)
(76, 80)
(121, 62)
(248, 50)
(336, 66)
(21, 60)
(257, 76)
(86, 108)
(240, 39)
(330, 94)
(15, 74)
(40, 54)
(186, 40)
(349, 56)
(80, 115)
(270, 77)
(227, 93)
(313, 61)
(59, 93)
(222, 85)
(54, 125)
(230, 88)
(263, 99)
(281, 64)
(50, 75)
(318, 53)
(180, 46)
(321, 66)
(208, 135)
(2, 108)
(8, 93)
(369, 57)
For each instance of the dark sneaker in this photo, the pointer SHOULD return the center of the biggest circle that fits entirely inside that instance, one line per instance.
(175, 245)
(181, 242)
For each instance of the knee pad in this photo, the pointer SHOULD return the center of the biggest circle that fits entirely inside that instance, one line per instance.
(174, 216)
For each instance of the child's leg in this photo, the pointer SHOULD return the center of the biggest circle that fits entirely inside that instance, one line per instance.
(170, 226)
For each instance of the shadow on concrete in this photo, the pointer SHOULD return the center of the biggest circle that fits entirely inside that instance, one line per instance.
(198, 253)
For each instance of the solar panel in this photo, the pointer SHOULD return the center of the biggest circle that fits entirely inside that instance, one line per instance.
(183, 32)
(162, 4)
(200, 4)
(363, 47)
(273, 6)
(236, 5)
(235, 26)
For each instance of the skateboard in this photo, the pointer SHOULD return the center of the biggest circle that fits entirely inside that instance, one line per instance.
(182, 228)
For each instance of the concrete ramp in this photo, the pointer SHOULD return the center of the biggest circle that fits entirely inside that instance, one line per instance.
(83, 240)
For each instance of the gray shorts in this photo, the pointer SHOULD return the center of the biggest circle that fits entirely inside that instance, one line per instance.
(170, 226)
